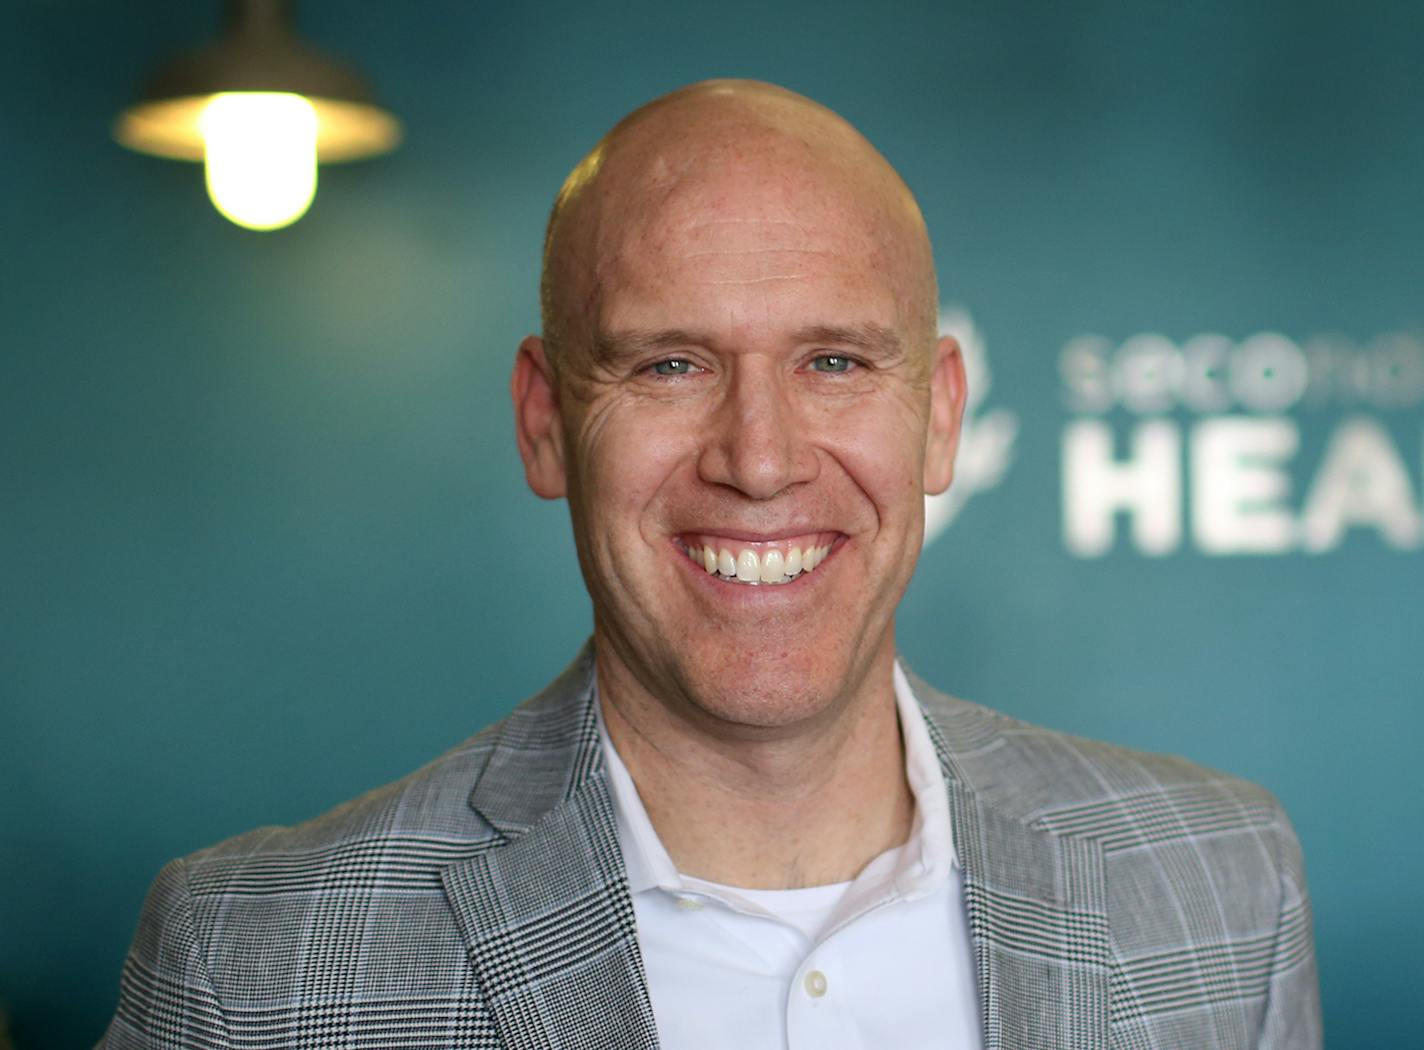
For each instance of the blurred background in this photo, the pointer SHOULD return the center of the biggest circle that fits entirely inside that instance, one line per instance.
(266, 542)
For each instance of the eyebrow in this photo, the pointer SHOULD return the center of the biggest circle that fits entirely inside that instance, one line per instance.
(871, 339)
(611, 346)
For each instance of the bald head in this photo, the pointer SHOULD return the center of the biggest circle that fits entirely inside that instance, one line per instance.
(726, 151)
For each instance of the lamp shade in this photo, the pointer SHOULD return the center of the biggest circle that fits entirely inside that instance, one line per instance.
(258, 51)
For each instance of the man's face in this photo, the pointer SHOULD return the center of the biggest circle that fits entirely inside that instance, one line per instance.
(757, 399)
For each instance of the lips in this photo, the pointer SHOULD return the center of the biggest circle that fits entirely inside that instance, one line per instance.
(773, 561)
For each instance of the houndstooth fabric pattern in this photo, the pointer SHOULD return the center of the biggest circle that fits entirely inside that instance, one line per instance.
(1115, 900)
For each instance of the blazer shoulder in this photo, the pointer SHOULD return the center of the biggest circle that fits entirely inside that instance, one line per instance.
(1071, 785)
(419, 824)
(406, 832)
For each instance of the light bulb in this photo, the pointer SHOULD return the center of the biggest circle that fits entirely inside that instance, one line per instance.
(260, 156)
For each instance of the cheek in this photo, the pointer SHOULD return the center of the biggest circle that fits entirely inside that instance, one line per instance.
(881, 449)
(624, 458)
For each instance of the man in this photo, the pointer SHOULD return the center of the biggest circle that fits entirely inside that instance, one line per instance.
(736, 817)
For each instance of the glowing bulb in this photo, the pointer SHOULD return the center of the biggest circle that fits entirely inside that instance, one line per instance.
(260, 156)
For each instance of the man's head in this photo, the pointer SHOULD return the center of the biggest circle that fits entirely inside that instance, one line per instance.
(739, 357)
(767, 134)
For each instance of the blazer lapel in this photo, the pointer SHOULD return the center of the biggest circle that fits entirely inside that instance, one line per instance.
(546, 913)
(1039, 926)
(1036, 902)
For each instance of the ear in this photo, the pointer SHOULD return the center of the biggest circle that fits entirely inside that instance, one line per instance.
(948, 391)
(538, 426)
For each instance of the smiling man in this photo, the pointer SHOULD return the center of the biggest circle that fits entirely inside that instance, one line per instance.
(736, 818)
(741, 393)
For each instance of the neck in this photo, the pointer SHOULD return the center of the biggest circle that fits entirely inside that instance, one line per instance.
(802, 806)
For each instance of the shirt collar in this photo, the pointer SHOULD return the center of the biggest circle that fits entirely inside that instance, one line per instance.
(915, 868)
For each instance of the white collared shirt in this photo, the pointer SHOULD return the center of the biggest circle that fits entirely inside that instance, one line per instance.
(881, 961)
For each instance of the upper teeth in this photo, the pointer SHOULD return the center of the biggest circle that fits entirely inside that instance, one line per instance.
(749, 566)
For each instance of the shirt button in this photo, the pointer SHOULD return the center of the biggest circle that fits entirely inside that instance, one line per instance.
(815, 984)
(689, 904)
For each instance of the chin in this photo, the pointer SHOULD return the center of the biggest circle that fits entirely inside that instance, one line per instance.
(747, 694)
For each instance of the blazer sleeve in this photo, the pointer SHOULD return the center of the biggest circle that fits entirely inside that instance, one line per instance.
(1293, 1019)
(166, 995)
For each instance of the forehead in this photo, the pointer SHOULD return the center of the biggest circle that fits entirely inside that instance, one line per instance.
(747, 236)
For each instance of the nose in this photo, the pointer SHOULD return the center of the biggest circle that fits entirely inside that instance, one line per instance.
(758, 441)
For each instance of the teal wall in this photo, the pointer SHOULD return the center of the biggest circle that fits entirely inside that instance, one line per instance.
(264, 542)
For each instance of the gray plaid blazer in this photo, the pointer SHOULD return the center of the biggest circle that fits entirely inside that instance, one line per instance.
(1115, 900)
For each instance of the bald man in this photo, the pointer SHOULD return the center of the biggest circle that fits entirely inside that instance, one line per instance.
(736, 818)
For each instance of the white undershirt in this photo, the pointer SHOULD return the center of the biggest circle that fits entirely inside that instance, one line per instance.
(882, 961)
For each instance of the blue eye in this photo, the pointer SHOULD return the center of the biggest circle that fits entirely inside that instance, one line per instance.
(672, 367)
(831, 363)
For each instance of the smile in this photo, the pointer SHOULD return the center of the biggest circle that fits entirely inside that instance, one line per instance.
(763, 562)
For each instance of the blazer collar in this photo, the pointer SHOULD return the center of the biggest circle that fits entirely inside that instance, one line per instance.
(1036, 902)
(546, 913)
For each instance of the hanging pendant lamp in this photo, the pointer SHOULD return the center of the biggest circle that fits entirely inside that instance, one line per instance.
(259, 108)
